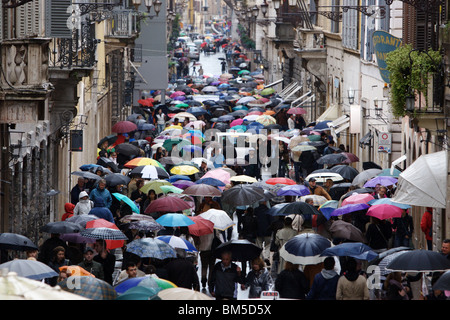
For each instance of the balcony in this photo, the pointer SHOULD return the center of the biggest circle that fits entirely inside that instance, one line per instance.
(284, 32)
(122, 25)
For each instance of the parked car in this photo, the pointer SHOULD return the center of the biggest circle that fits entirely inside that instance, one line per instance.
(194, 53)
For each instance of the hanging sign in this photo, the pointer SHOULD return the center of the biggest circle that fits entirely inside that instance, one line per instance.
(385, 142)
(384, 43)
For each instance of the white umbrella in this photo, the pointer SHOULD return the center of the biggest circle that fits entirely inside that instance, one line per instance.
(323, 176)
(317, 200)
(220, 218)
(365, 175)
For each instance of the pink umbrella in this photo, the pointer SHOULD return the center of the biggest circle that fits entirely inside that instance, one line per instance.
(384, 211)
(357, 198)
(177, 94)
(296, 110)
(124, 127)
(236, 122)
(218, 174)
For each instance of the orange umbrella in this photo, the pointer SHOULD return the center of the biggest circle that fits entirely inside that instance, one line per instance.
(269, 112)
(76, 271)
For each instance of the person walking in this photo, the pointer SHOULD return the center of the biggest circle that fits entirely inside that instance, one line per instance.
(325, 283)
(378, 234)
(101, 211)
(224, 278)
(404, 229)
(426, 225)
(75, 192)
(84, 204)
(282, 236)
(106, 259)
(181, 271)
(160, 120)
(258, 279)
(264, 230)
(207, 259)
(352, 285)
(101, 192)
(317, 190)
(90, 265)
(291, 283)
(68, 207)
(58, 260)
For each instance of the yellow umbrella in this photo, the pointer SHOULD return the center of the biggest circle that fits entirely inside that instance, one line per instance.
(185, 170)
(155, 185)
(266, 119)
(174, 127)
(243, 178)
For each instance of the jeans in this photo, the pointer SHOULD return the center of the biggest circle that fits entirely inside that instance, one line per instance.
(401, 242)
(161, 127)
(297, 170)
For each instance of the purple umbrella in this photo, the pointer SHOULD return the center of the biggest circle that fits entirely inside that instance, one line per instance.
(180, 98)
(215, 83)
(349, 208)
(294, 190)
(182, 184)
(381, 180)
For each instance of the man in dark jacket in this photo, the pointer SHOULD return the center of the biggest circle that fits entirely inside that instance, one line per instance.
(101, 211)
(182, 271)
(106, 259)
(264, 230)
(325, 283)
(224, 279)
(90, 265)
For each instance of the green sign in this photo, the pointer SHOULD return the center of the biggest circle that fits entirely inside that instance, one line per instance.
(384, 43)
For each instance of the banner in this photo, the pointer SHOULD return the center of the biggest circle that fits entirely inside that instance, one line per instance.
(384, 43)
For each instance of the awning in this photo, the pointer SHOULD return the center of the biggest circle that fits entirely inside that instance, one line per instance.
(339, 125)
(365, 141)
(331, 113)
(424, 182)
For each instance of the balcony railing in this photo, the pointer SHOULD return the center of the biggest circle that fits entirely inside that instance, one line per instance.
(122, 24)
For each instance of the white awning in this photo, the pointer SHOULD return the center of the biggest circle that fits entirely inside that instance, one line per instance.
(331, 113)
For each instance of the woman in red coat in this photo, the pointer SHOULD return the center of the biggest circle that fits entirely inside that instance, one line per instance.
(69, 211)
(426, 224)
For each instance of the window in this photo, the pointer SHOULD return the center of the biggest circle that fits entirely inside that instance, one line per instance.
(350, 26)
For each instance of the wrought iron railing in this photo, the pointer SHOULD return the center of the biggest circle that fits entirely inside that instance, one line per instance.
(122, 24)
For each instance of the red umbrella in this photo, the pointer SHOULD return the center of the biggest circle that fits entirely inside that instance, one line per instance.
(201, 226)
(297, 110)
(167, 204)
(145, 103)
(275, 181)
(102, 223)
(384, 211)
(124, 127)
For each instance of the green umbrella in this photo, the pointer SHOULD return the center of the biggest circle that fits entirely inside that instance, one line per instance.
(314, 137)
(181, 105)
(243, 72)
(267, 92)
(240, 108)
(127, 200)
(173, 189)
(240, 128)
(169, 143)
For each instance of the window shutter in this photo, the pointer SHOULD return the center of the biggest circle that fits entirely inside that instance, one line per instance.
(57, 16)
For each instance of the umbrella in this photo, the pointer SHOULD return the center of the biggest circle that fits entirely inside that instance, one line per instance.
(110, 139)
(183, 184)
(243, 178)
(323, 176)
(184, 170)
(170, 160)
(14, 241)
(82, 219)
(211, 181)
(167, 204)
(89, 287)
(142, 161)
(346, 230)
(155, 185)
(274, 181)
(267, 92)
(201, 226)
(317, 199)
(151, 248)
(220, 218)
(138, 293)
(173, 189)
(350, 157)
(124, 127)
(420, 260)
(297, 207)
(86, 175)
(30, 269)
(149, 172)
(357, 198)
(76, 237)
(219, 174)
(174, 220)
(328, 207)
(443, 282)
(136, 217)
(349, 208)
(177, 242)
(322, 126)
(128, 201)
(74, 270)
(128, 149)
(182, 294)
(357, 250)
(103, 233)
(115, 179)
(147, 282)
(243, 194)
(387, 173)
(388, 259)
(384, 211)
(204, 190)
(365, 175)
(241, 250)
(296, 110)
(145, 225)
(293, 190)
(302, 148)
(266, 120)
(305, 249)
(381, 180)
(389, 201)
(345, 171)
(179, 177)
(61, 227)
(14, 287)
(334, 158)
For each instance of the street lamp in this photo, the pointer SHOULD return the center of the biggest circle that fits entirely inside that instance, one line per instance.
(276, 4)
(255, 11)
(264, 6)
(351, 96)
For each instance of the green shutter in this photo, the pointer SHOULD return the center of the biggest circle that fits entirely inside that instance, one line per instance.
(57, 16)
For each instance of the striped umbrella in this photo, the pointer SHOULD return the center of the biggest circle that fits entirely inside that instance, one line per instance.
(103, 233)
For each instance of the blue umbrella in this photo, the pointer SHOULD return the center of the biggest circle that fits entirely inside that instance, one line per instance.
(177, 177)
(146, 126)
(151, 248)
(225, 118)
(389, 201)
(127, 200)
(382, 180)
(192, 148)
(321, 126)
(293, 190)
(387, 173)
(30, 269)
(177, 242)
(174, 220)
(349, 208)
(138, 293)
(211, 181)
(196, 111)
(357, 250)
(305, 248)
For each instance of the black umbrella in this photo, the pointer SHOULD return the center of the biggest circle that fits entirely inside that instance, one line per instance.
(110, 139)
(333, 158)
(420, 260)
(108, 163)
(61, 227)
(360, 190)
(443, 282)
(86, 175)
(242, 195)
(298, 207)
(370, 165)
(14, 241)
(347, 172)
(128, 149)
(115, 179)
(241, 250)
(338, 190)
